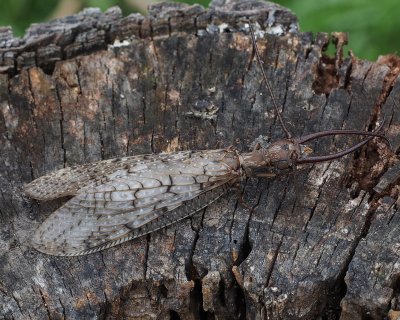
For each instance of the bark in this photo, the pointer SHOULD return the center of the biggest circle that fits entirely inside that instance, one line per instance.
(322, 242)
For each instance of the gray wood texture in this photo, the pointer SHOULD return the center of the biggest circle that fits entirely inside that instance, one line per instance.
(323, 242)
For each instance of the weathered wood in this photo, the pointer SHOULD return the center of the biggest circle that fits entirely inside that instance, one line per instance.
(98, 85)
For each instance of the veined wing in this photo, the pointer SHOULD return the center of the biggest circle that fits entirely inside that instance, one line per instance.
(67, 181)
(134, 201)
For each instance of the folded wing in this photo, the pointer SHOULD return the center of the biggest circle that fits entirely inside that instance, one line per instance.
(67, 181)
(134, 200)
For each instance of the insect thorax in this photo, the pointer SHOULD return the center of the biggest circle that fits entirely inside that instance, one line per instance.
(270, 161)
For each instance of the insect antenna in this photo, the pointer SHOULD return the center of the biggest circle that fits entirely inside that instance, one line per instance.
(316, 135)
(287, 133)
(315, 159)
(321, 134)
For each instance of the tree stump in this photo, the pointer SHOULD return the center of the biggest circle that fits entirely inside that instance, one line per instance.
(323, 242)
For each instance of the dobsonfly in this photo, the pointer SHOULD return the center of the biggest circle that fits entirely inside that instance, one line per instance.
(121, 199)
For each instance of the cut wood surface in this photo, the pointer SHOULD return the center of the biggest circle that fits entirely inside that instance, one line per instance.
(322, 242)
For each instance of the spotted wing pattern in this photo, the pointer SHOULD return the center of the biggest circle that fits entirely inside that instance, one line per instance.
(138, 197)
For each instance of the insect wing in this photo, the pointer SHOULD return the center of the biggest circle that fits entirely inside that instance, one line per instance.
(67, 181)
(134, 201)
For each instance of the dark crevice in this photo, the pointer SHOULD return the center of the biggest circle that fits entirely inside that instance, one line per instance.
(151, 31)
(102, 260)
(347, 77)
(61, 127)
(78, 78)
(31, 169)
(105, 129)
(329, 68)
(85, 140)
(63, 308)
(196, 302)
(284, 193)
(192, 274)
(144, 107)
(55, 265)
(240, 303)
(239, 201)
(146, 255)
(45, 304)
(140, 29)
(297, 248)
(326, 79)
(240, 307)
(113, 106)
(366, 76)
(105, 311)
(17, 302)
(395, 285)
(102, 146)
(307, 53)
(367, 225)
(334, 296)
(246, 247)
(221, 293)
(365, 170)
(393, 63)
(272, 264)
(163, 290)
(34, 102)
(338, 289)
(190, 269)
(173, 315)
(312, 211)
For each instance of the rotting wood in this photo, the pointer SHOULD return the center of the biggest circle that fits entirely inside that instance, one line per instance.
(71, 93)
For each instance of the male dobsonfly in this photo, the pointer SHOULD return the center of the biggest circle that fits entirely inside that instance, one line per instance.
(121, 199)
